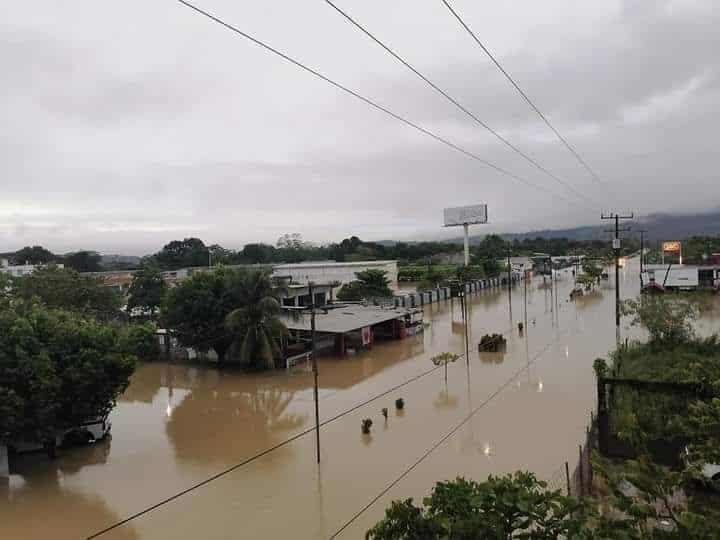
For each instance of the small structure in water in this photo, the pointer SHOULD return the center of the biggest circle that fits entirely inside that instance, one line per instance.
(492, 343)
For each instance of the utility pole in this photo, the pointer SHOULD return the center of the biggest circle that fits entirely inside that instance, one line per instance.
(642, 250)
(314, 368)
(463, 309)
(616, 248)
(509, 280)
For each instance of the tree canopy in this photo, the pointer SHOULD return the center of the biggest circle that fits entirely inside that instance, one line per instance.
(34, 255)
(196, 310)
(185, 253)
(64, 288)
(147, 289)
(370, 283)
(57, 369)
(255, 322)
(503, 507)
(83, 261)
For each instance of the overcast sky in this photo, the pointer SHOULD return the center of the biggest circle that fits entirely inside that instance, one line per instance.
(124, 125)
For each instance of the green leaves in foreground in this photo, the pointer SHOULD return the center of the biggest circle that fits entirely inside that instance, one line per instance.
(517, 506)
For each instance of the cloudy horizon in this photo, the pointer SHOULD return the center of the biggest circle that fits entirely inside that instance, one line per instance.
(127, 125)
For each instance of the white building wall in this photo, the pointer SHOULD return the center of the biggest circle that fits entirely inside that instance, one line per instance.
(22, 269)
(325, 272)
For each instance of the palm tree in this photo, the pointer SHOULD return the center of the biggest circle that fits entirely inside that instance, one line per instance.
(256, 323)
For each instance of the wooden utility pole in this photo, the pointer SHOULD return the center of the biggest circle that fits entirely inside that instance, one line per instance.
(616, 249)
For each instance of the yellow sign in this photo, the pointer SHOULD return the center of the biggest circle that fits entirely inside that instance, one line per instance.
(670, 247)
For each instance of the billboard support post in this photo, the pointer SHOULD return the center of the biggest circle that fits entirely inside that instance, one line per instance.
(465, 216)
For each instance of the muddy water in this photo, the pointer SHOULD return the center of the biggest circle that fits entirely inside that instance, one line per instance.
(177, 425)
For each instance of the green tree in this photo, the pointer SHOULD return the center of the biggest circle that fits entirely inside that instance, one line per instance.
(258, 253)
(63, 288)
(57, 369)
(183, 254)
(83, 261)
(370, 283)
(34, 255)
(431, 279)
(504, 507)
(139, 340)
(147, 289)
(256, 323)
(195, 311)
(592, 269)
(668, 319)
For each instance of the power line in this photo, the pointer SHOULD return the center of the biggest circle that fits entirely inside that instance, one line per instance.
(524, 95)
(455, 102)
(443, 439)
(259, 455)
(368, 101)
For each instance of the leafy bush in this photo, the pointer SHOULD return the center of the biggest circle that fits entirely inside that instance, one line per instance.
(504, 507)
(57, 369)
(140, 340)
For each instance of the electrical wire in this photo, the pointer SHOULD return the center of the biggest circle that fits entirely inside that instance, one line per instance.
(457, 104)
(260, 454)
(369, 102)
(562, 139)
(444, 438)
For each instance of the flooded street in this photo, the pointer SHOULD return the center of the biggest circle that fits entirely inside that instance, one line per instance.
(177, 425)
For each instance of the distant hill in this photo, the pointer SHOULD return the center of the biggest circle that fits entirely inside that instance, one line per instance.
(659, 227)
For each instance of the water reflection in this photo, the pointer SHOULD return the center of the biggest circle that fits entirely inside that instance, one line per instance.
(30, 498)
(445, 400)
(225, 422)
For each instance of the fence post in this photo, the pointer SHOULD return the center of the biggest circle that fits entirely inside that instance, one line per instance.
(580, 470)
(567, 477)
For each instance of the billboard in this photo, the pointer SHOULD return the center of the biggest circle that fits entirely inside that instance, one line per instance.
(465, 214)
(671, 247)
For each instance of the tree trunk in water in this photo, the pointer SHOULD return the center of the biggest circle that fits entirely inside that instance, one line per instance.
(220, 350)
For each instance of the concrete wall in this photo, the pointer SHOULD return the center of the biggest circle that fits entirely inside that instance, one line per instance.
(344, 272)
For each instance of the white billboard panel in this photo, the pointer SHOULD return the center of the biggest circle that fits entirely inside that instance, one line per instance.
(465, 214)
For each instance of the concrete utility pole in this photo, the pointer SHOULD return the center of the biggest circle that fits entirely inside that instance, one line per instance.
(616, 248)
(642, 250)
(509, 278)
(314, 368)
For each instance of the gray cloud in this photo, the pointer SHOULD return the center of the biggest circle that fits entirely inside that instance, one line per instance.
(125, 126)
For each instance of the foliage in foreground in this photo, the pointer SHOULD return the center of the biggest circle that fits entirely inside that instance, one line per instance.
(501, 507)
(57, 369)
(62, 288)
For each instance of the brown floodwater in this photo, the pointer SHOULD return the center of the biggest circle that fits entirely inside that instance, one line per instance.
(177, 425)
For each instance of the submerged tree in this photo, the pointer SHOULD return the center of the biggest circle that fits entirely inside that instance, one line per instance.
(57, 369)
(195, 311)
(256, 324)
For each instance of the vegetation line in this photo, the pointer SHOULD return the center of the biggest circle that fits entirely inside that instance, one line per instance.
(446, 436)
